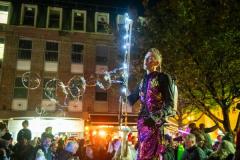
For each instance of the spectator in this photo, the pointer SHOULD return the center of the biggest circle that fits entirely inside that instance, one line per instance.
(205, 131)
(217, 142)
(24, 133)
(3, 129)
(192, 151)
(48, 132)
(46, 142)
(23, 150)
(225, 151)
(169, 152)
(81, 152)
(113, 147)
(89, 151)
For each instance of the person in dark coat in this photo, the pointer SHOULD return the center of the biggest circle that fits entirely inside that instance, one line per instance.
(22, 150)
(45, 148)
(48, 132)
(225, 151)
(192, 151)
(25, 132)
(169, 153)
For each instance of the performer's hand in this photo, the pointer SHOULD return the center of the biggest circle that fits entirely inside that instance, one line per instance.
(149, 122)
(156, 116)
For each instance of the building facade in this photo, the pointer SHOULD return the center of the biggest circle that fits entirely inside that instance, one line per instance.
(56, 41)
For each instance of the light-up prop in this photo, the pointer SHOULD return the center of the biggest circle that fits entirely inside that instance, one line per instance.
(123, 100)
(127, 48)
(31, 80)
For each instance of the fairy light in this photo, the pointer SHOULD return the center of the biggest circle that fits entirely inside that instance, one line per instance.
(124, 90)
(126, 46)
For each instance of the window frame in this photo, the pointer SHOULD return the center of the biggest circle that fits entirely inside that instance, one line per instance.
(23, 14)
(45, 50)
(4, 3)
(100, 55)
(19, 87)
(84, 21)
(26, 39)
(96, 20)
(76, 43)
(48, 17)
(98, 90)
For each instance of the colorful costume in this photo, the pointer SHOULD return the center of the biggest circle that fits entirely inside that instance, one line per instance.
(156, 96)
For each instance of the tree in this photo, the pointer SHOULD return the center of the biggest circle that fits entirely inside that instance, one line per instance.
(200, 43)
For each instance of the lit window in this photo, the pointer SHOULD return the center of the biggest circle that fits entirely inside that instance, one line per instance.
(54, 19)
(102, 22)
(29, 15)
(100, 94)
(24, 49)
(51, 52)
(2, 44)
(4, 12)
(77, 53)
(101, 55)
(78, 20)
(19, 90)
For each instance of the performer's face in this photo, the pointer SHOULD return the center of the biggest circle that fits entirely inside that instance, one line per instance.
(150, 62)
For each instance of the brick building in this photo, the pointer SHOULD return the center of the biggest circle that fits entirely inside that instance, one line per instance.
(56, 39)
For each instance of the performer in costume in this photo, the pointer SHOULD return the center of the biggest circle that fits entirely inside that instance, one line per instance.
(156, 95)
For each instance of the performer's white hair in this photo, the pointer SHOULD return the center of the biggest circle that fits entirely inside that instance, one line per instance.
(157, 54)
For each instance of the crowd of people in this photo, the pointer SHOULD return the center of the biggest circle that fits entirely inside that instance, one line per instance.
(53, 147)
(195, 145)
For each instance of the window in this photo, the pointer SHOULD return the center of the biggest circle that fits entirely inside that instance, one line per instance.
(102, 22)
(78, 20)
(100, 94)
(54, 18)
(51, 52)
(24, 49)
(2, 44)
(101, 55)
(120, 23)
(19, 90)
(49, 91)
(28, 15)
(4, 12)
(77, 53)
